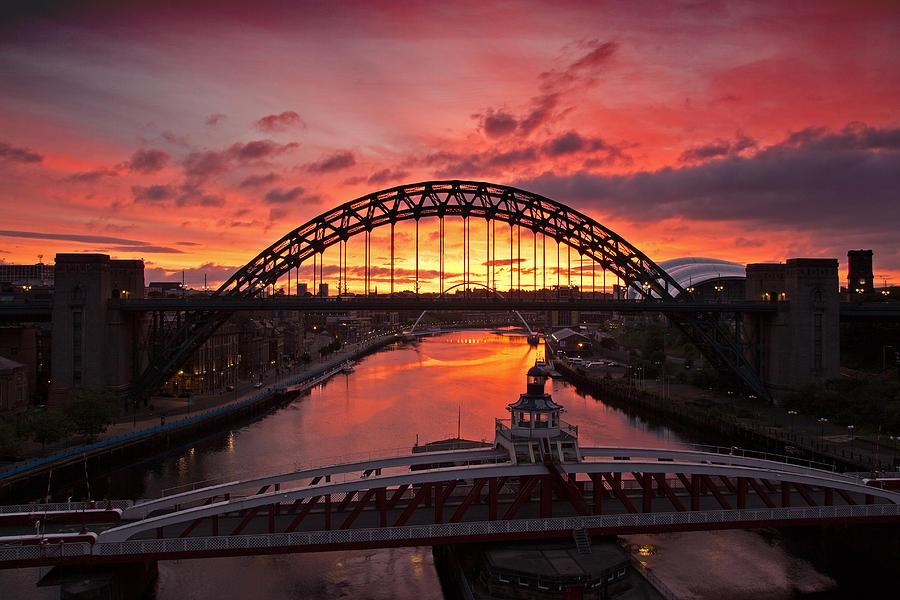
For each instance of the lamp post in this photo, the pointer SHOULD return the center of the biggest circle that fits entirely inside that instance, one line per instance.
(850, 429)
(822, 421)
(791, 415)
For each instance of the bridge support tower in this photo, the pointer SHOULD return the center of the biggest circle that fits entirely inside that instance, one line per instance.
(94, 345)
(799, 343)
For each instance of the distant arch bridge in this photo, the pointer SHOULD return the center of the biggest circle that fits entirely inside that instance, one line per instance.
(463, 199)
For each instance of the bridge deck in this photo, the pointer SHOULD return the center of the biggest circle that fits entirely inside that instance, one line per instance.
(383, 503)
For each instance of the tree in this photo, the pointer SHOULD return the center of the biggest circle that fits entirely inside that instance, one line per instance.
(91, 411)
(48, 426)
(9, 441)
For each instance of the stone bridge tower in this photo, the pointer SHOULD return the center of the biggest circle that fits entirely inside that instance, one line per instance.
(799, 343)
(94, 345)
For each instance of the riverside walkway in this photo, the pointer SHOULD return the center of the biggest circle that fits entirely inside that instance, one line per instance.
(168, 414)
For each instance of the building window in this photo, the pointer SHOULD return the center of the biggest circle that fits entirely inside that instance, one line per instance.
(817, 342)
(76, 348)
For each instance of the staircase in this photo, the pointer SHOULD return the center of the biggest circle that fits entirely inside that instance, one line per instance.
(582, 541)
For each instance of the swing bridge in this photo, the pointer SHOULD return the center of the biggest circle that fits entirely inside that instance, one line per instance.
(457, 496)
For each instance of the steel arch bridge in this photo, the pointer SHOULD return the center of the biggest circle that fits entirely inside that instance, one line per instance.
(464, 199)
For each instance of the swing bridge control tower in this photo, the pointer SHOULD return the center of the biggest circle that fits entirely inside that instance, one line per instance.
(535, 432)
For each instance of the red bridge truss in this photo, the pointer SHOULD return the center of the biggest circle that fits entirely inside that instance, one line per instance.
(446, 497)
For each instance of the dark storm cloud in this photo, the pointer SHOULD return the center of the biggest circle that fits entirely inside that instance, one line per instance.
(205, 164)
(572, 142)
(279, 196)
(540, 113)
(599, 55)
(259, 149)
(91, 176)
(814, 179)
(258, 180)
(17, 154)
(700, 153)
(109, 243)
(857, 136)
(498, 123)
(490, 161)
(511, 157)
(385, 175)
(280, 122)
(147, 161)
(184, 195)
(153, 194)
(192, 194)
(200, 165)
(68, 237)
(718, 148)
(335, 162)
(148, 249)
(378, 177)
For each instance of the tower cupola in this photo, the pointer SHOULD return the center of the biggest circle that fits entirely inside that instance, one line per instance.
(535, 414)
(537, 377)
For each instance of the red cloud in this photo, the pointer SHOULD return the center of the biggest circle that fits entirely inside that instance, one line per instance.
(281, 122)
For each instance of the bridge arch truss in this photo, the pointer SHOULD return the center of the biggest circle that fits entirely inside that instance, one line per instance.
(466, 200)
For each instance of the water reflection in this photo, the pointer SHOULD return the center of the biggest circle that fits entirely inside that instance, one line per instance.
(400, 395)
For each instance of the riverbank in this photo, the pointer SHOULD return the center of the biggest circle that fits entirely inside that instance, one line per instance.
(745, 422)
(165, 423)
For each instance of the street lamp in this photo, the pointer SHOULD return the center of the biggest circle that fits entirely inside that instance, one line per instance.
(792, 414)
(822, 421)
(850, 428)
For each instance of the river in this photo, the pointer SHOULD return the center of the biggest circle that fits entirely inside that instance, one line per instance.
(406, 393)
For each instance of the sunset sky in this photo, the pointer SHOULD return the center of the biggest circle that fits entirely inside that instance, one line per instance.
(195, 134)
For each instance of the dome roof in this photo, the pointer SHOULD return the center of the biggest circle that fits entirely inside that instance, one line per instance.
(536, 371)
(534, 403)
(695, 270)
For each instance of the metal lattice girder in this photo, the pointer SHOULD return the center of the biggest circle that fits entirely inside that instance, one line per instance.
(466, 199)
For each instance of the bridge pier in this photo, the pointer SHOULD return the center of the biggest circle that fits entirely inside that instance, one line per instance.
(799, 343)
(124, 581)
(94, 344)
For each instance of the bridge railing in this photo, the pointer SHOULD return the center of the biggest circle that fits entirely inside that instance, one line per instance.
(419, 534)
(336, 461)
(737, 451)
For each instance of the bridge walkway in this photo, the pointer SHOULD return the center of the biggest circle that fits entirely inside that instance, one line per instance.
(383, 503)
